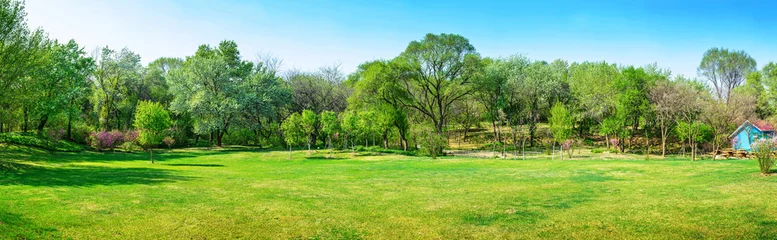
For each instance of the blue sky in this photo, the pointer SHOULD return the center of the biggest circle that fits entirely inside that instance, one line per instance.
(310, 34)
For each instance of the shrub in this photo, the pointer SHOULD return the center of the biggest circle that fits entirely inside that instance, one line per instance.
(597, 150)
(106, 140)
(763, 153)
(169, 141)
(614, 142)
(567, 146)
(431, 142)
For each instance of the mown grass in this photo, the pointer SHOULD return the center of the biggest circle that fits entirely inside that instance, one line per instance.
(253, 193)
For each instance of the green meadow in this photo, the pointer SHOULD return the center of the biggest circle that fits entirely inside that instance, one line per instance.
(262, 194)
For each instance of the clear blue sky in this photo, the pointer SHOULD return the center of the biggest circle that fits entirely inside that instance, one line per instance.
(310, 34)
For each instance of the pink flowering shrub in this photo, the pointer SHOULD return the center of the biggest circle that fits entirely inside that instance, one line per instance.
(106, 140)
(567, 144)
(614, 142)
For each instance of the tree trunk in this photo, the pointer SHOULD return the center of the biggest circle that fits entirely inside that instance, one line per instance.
(329, 140)
(523, 147)
(24, 112)
(607, 140)
(219, 137)
(42, 123)
(151, 154)
(532, 129)
(385, 139)
(663, 146)
(553, 151)
(289, 151)
(69, 127)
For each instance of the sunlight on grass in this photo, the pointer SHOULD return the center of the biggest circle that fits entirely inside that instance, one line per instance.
(254, 193)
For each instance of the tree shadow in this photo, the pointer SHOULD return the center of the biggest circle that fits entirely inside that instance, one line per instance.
(37, 155)
(324, 158)
(14, 226)
(194, 165)
(81, 176)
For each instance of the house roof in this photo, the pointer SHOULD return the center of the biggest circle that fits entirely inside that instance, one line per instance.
(761, 125)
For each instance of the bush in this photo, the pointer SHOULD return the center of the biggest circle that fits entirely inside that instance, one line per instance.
(597, 150)
(430, 142)
(106, 140)
(763, 149)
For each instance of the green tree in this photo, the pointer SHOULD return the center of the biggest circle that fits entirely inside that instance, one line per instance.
(293, 131)
(441, 70)
(264, 99)
(561, 124)
(376, 86)
(350, 126)
(152, 122)
(21, 51)
(208, 86)
(115, 95)
(309, 123)
(330, 126)
(61, 83)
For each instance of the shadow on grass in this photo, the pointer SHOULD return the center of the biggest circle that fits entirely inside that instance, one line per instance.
(324, 158)
(14, 226)
(194, 165)
(36, 155)
(81, 176)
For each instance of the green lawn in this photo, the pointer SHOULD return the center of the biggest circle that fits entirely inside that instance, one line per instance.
(250, 193)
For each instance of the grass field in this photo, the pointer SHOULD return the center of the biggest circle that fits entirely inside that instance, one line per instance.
(260, 194)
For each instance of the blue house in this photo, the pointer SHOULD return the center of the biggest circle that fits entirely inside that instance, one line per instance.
(748, 133)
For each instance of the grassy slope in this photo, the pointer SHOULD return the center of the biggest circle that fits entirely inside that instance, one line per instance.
(257, 194)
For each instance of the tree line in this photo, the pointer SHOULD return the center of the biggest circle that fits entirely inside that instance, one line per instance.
(438, 89)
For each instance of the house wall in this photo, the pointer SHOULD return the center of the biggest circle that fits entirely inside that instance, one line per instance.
(745, 140)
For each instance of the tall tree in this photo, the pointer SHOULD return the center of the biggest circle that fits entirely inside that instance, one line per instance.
(61, 82)
(442, 67)
(114, 94)
(667, 103)
(208, 86)
(725, 69)
(21, 51)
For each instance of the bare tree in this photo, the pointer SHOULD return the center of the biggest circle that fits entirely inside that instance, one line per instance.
(723, 117)
(667, 100)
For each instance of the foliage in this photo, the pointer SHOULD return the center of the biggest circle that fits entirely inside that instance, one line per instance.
(106, 140)
(152, 122)
(431, 142)
(560, 123)
(37, 141)
(209, 86)
(725, 69)
(293, 130)
(764, 153)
